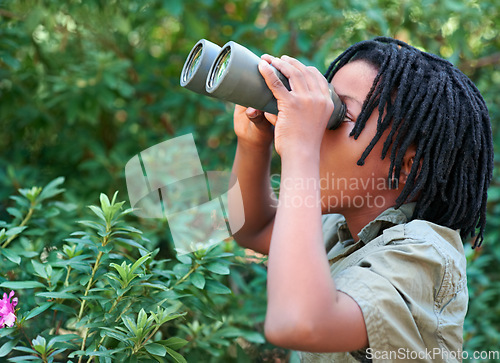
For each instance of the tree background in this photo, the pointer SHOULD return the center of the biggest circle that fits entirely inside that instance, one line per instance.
(86, 85)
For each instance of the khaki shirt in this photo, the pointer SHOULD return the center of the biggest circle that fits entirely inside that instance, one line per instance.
(409, 279)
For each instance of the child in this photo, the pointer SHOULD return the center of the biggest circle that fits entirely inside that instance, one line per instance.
(399, 184)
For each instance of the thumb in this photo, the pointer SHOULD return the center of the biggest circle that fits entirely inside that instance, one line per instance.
(253, 114)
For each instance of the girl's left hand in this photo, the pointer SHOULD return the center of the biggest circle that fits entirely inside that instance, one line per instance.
(304, 111)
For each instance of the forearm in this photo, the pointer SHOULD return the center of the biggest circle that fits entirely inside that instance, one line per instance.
(251, 167)
(300, 289)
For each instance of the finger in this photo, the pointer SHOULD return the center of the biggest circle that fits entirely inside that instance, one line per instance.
(320, 81)
(296, 76)
(254, 115)
(267, 57)
(271, 118)
(320, 78)
(294, 62)
(310, 73)
(273, 82)
(314, 77)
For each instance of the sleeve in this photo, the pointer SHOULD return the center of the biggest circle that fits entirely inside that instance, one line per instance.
(396, 286)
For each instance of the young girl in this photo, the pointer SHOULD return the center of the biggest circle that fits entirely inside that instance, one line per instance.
(366, 261)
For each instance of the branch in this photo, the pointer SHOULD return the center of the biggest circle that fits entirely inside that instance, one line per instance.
(9, 14)
(489, 60)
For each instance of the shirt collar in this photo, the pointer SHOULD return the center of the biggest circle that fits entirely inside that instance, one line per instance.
(388, 218)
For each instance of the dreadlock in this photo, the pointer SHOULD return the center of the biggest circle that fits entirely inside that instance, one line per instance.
(427, 102)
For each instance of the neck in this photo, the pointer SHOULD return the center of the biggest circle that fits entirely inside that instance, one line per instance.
(358, 218)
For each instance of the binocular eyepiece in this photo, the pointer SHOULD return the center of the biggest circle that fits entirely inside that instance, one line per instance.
(231, 73)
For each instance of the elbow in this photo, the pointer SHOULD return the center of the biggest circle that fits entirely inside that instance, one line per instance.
(253, 242)
(288, 332)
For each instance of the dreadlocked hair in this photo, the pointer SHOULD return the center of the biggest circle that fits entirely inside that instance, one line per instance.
(427, 102)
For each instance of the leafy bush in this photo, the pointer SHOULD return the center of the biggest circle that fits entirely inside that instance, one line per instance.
(103, 294)
(86, 85)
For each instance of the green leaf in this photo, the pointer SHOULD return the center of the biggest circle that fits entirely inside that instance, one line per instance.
(51, 189)
(218, 268)
(31, 194)
(121, 270)
(129, 323)
(216, 287)
(185, 259)
(105, 249)
(11, 255)
(176, 356)
(57, 295)
(198, 280)
(104, 201)
(40, 344)
(139, 262)
(142, 319)
(38, 310)
(114, 334)
(156, 349)
(174, 343)
(18, 285)
(98, 212)
(15, 212)
(25, 349)
(15, 230)
(7, 347)
(25, 358)
(63, 338)
(253, 337)
(6, 331)
(154, 286)
(39, 269)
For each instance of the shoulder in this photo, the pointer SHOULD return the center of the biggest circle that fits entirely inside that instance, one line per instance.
(414, 276)
(426, 253)
(430, 244)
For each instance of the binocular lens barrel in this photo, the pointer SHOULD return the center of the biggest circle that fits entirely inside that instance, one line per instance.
(221, 65)
(193, 62)
(232, 74)
(235, 77)
(195, 71)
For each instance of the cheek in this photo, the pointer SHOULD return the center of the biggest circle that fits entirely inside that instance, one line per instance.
(340, 154)
(339, 151)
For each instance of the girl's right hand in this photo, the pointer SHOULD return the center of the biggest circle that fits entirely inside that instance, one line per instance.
(252, 128)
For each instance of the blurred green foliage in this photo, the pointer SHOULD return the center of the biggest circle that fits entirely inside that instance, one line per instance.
(86, 85)
(104, 293)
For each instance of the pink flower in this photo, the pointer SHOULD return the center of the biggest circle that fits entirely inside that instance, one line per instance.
(7, 316)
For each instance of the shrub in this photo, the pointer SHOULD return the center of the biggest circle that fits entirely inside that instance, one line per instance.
(104, 294)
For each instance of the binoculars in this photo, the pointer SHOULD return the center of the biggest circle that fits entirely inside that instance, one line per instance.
(231, 74)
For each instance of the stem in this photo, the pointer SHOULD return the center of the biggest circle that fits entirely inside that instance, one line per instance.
(110, 310)
(89, 284)
(82, 305)
(124, 311)
(26, 336)
(193, 269)
(23, 223)
(83, 344)
(150, 335)
(66, 282)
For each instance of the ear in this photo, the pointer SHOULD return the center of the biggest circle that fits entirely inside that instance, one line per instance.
(407, 164)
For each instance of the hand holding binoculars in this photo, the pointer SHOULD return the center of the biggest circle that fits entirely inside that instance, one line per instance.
(231, 73)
